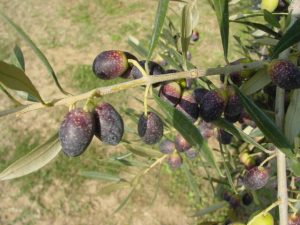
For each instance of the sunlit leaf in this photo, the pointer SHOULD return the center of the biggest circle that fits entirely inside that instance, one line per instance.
(15, 78)
(266, 125)
(161, 13)
(294, 166)
(259, 80)
(33, 161)
(290, 37)
(35, 49)
(221, 9)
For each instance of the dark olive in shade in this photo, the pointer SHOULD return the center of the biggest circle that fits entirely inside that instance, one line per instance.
(188, 106)
(256, 178)
(76, 132)
(224, 137)
(109, 124)
(212, 106)
(150, 128)
(284, 74)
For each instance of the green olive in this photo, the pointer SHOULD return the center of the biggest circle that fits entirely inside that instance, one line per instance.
(269, 5)
(261, 219)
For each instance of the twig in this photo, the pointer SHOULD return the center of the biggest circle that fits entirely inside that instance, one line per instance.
(146, 80)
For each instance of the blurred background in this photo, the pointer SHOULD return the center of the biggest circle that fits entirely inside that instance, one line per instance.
(71, 33)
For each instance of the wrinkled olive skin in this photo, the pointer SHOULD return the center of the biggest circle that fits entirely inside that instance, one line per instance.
(109, 124)
(284, 74)
(150, 129)
(256, 178)
(76, 132)
(212, 106)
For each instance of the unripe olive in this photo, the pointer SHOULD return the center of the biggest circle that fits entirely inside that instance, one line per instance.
(269, 5)
(262, 219)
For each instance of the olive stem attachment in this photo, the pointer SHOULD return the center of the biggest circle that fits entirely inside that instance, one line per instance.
(268, 159)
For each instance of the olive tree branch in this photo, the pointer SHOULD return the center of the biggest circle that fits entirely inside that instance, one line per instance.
(145, 80)
(279, 110)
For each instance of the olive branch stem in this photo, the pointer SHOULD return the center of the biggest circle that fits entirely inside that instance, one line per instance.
(282, 192)
(145, 80)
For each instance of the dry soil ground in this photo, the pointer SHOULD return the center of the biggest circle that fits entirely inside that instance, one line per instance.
(72, 33)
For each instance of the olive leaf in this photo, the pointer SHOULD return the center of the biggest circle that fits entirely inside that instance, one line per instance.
(35, 49)
(190, 17)
(266, 125)
(290, 37)
(100, 176)
(292, 118)
(221, 9)
(15, 78)
(17, 58)
(34, 160)
(271, 19)
(161, 13)
(259, 80)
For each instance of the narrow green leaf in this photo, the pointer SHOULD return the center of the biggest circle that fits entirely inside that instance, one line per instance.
(108, 189)
(17, 58)
(271, 19)
(238, 133)
(190, 16)
(33, 161)
(15, 78)
(211, 209)
(227, 170)
(294, 166)
(259, 80)
(191, 181)
(187, 129)
(161, 13)
(291, 37)
(124, 202)
(100, 176)
(221, 9)
(143, 151)
(12, 98)
(259, 27)
(292, 118)
(135, 44)
(266, 125)
(35, 49)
